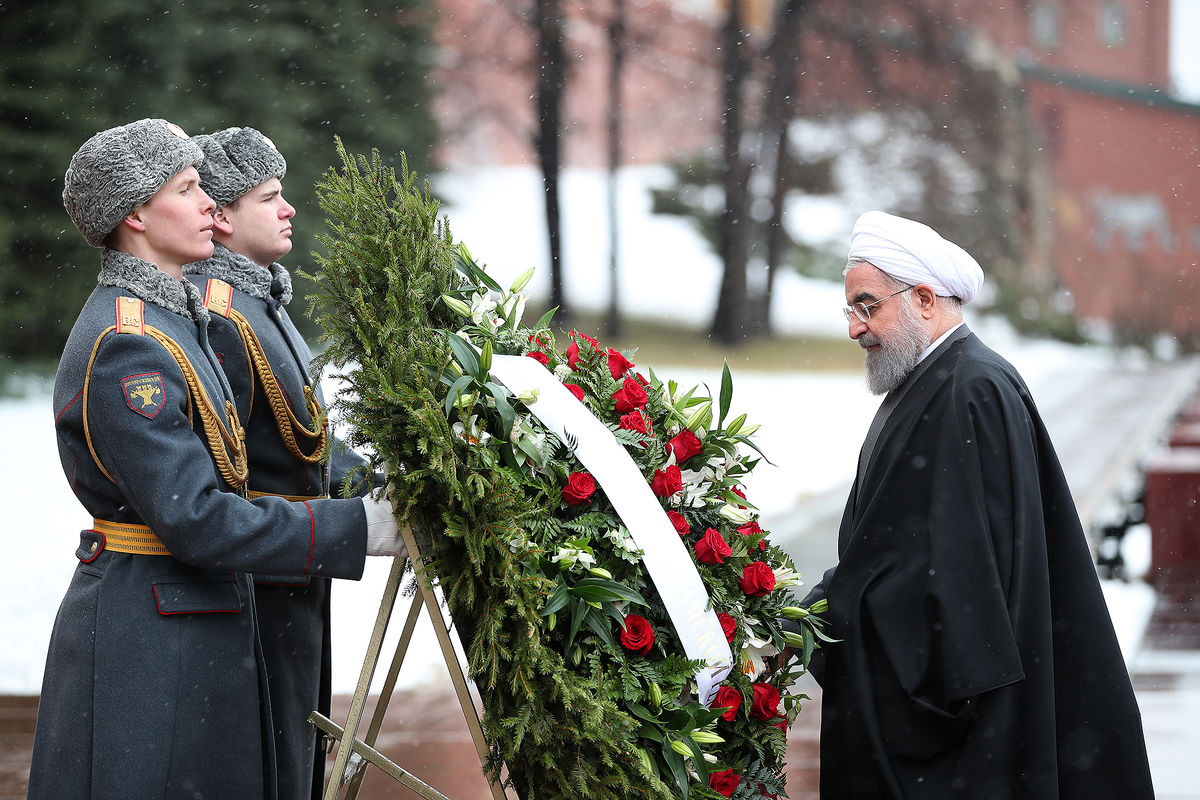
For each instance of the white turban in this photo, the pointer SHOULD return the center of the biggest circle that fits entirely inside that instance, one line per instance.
(915, 253)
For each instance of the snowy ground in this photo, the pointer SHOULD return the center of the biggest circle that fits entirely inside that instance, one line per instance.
(812, 423)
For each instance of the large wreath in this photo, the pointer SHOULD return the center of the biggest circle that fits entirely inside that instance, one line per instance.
(587, 689)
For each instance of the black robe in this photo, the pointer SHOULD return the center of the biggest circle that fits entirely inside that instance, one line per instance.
(978, 658)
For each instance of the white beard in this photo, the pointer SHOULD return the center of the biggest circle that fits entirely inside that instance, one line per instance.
(898, 354)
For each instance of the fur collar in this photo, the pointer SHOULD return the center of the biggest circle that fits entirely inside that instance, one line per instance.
(122, 270)
(244, 275)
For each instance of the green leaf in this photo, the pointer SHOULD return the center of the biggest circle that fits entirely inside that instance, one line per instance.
(467, 266)
(544, 321)
(456, 390)
(677, 767)
(702, 716)
(558, 598)
(503, 408)
(649, 730)
(509, 457)
(599, 625)
(527, 447)
(599, 590)
(726, 392)
(464, 353)
(579, 610)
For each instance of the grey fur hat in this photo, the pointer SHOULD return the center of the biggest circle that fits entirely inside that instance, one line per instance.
(118, 169)
(235, 161)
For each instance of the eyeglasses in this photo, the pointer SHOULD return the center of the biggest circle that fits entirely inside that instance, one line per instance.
(863, 310)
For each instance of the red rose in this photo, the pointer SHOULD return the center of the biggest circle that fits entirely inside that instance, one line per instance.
(540, 357)
(728, 698)
(573, 356)
(684, 445)
(712, 547)
(728, 625)
(630, 396)
(636, 420)
(757, 579)
(637, 635)
(637, 376)
(765, 705)
(575, 390)
(751, 528)
(579, 489)
(667, 481)
(681, 524)
(617, 364)
(724, 782)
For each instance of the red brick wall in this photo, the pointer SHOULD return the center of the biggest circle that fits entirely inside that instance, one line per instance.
(1127, 206)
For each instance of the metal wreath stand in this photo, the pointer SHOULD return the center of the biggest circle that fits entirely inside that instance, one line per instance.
(353, 753)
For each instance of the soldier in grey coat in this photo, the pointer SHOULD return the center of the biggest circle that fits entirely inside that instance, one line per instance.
(155, 684)
(279, 402)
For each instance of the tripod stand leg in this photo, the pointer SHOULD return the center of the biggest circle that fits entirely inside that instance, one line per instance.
(346, 742)
(456, 673)
(389, 686)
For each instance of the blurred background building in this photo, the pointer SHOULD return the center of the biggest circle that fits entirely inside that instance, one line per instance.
(1045, 137)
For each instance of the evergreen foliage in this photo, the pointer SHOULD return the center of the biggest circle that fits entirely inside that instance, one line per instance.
(300, 71)
(567, 711)
(382, 281)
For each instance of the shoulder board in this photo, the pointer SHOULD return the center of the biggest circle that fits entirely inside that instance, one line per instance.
(130, 313)
(218, 297)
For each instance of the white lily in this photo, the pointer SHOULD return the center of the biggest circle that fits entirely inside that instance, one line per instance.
(574, 557)
(482, 306)
(734, 514)
(624, 544)
(715, 469)
(472, 433)
(514, 308)
(695, 487)
(755, 652)
(785, 577)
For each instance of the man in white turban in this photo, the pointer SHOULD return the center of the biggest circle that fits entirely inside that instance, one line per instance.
(890, 255)
(975, 656)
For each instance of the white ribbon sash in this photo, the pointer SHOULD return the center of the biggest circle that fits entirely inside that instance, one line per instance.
(666, 558)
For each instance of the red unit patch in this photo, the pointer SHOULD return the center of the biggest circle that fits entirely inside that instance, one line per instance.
(145, 393)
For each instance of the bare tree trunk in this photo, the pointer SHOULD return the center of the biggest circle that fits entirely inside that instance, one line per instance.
(550, 79)
(616, 38)
(729, 325)
(779, 108)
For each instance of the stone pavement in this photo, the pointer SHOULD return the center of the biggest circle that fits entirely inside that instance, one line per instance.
(424, 733)
(1166, 677)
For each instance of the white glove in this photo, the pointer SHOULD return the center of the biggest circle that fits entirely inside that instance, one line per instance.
(383, 534)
